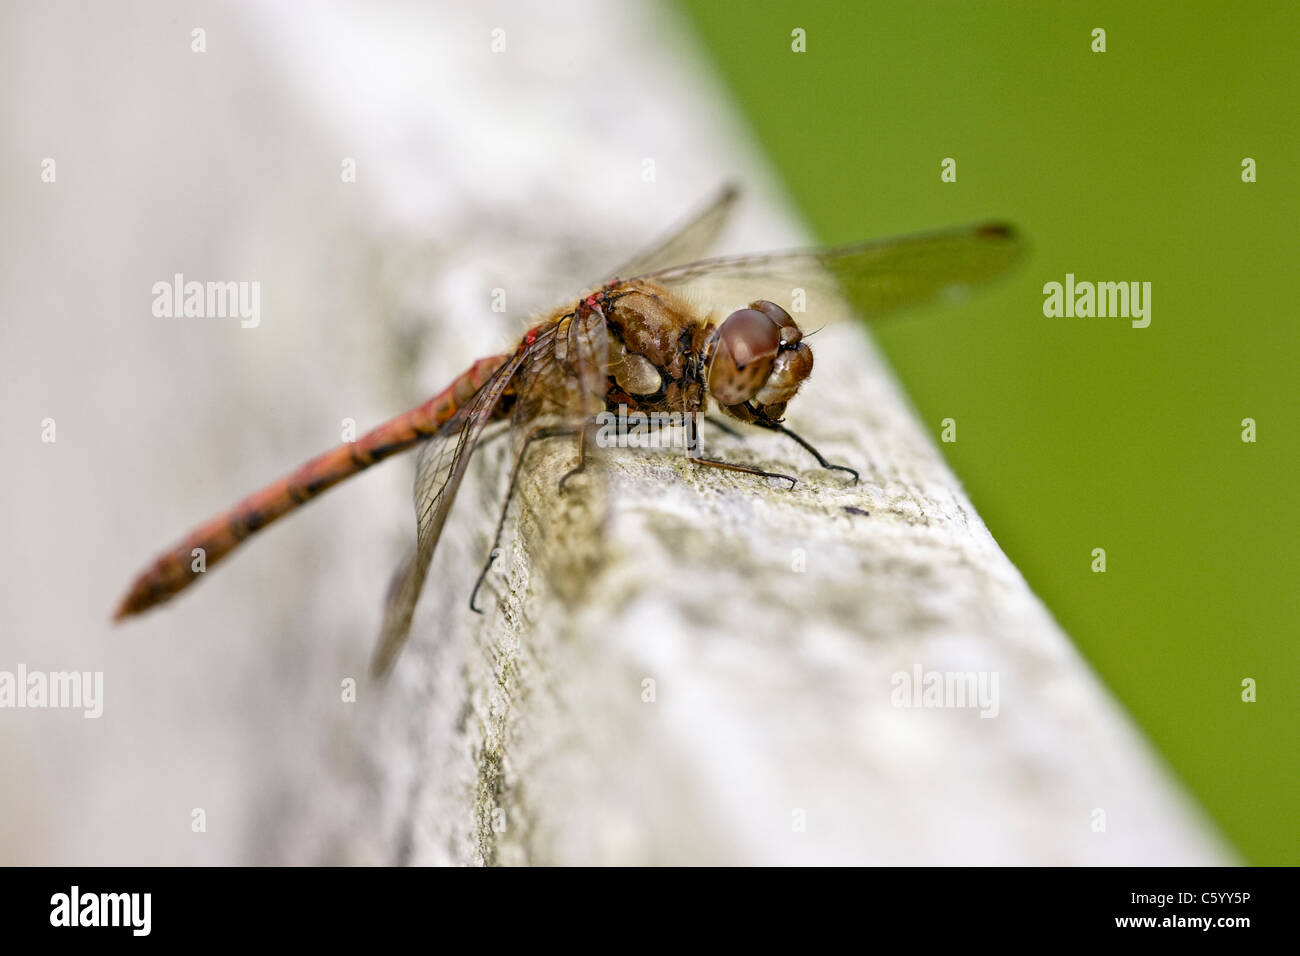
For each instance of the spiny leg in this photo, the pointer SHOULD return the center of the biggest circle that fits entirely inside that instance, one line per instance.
(803, 443)
(725, 465)
(729, 466)
(547, 431)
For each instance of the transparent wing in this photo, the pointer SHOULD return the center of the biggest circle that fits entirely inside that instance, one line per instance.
(564, 380)
(876, 278)
(439, 469)
(556, 392)
(688, 242)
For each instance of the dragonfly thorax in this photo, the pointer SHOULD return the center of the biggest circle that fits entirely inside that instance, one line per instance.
(654, 348)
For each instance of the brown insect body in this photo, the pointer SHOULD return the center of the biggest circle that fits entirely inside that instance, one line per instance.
(175, 569)
(657, 345)
(640, 343)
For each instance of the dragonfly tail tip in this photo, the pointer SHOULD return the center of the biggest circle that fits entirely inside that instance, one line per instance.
(139, 598)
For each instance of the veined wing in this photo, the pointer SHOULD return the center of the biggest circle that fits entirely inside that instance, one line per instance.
(557, 392)
(687, 243)
(558, 376)
(439, 470)
(564, 380)
(876, 277)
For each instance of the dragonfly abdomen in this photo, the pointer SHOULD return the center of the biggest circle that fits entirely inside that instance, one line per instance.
(210, 542)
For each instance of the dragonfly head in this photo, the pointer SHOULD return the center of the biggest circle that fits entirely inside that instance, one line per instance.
(758, 362)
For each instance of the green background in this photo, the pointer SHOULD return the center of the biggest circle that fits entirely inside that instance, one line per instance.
(1073, 433)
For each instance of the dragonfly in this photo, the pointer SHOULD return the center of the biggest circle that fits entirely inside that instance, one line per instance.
(657, 336)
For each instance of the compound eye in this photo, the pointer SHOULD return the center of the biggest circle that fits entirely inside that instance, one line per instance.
(790, 333)
(747, 344)
(749, 335)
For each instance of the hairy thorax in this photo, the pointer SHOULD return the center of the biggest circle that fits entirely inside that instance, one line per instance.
(657, 349)
(629, 343)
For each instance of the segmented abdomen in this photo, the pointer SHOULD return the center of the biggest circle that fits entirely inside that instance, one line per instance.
(174, 570)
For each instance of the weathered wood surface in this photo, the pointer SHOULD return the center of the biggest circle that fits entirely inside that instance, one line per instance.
(522, 735)
(773, 625)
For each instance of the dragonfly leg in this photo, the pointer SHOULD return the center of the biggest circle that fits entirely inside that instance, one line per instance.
(803, 443)
(695, 458)
(537, 434)
(582, 457)
(719, 424)
(730, 466)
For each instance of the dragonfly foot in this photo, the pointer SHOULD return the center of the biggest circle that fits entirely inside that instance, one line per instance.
(807, 446)
(576, 470)
(482, 575)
